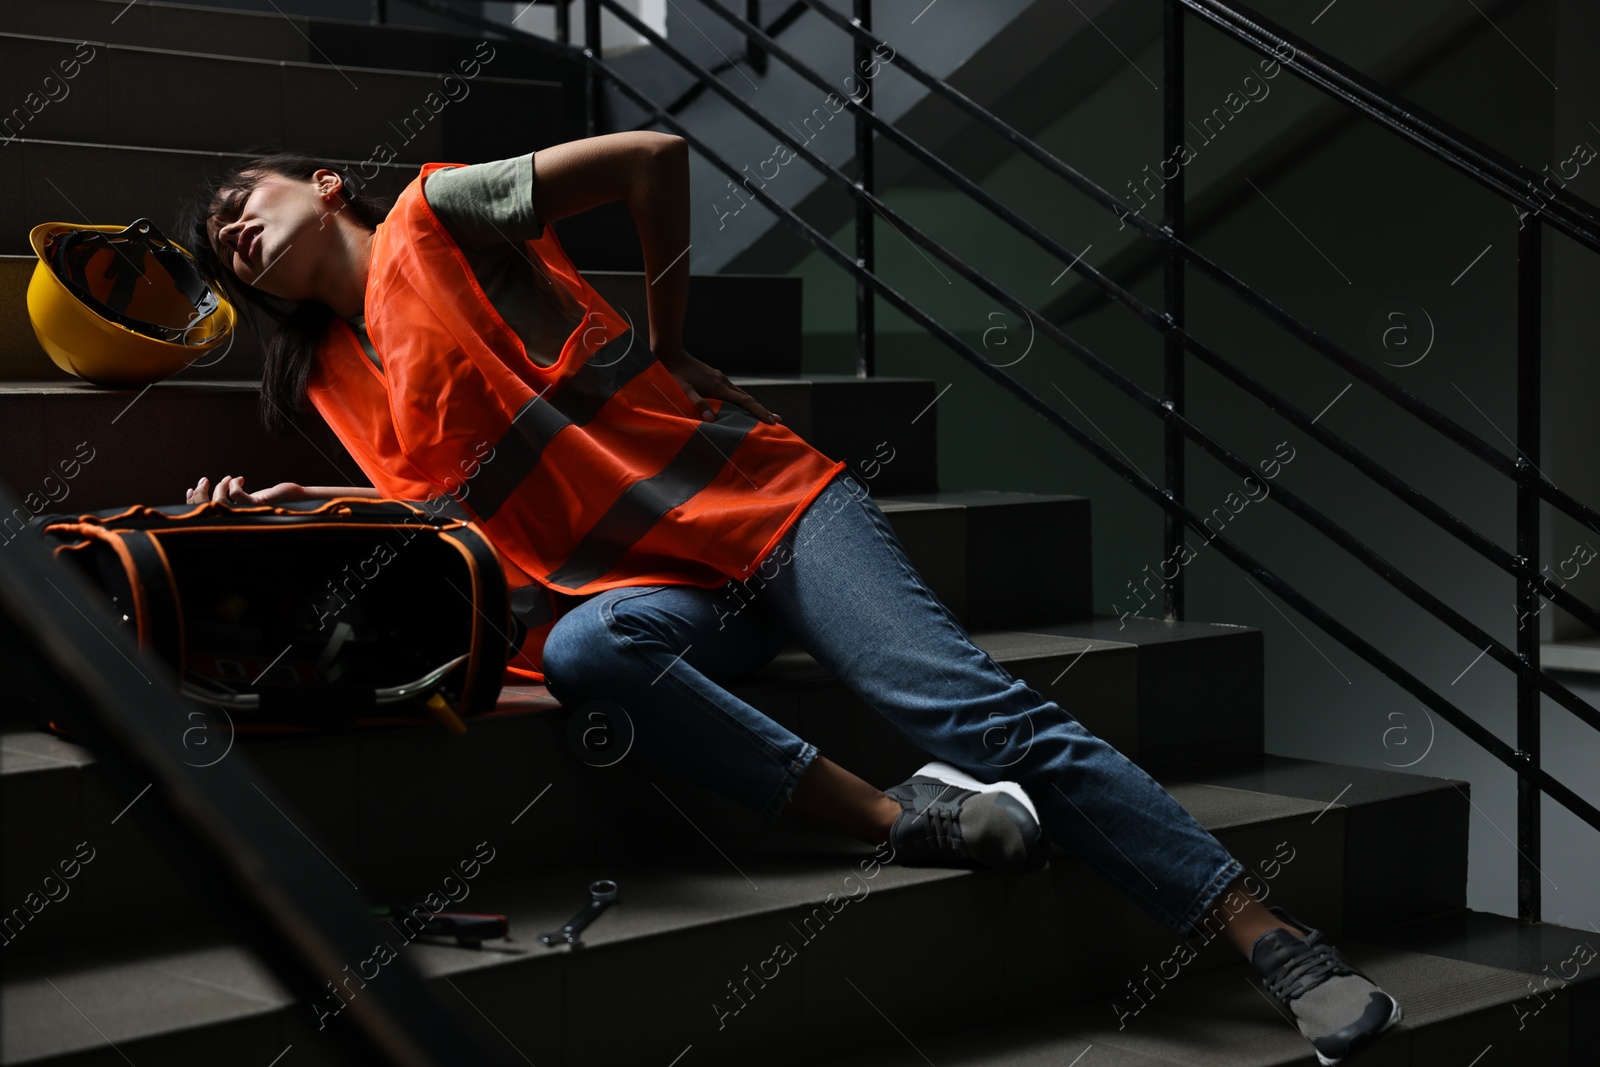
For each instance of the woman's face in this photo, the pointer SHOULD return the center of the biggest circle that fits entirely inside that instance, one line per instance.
(273, 234)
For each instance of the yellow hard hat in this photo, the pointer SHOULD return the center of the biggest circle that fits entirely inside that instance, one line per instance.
(122, 306)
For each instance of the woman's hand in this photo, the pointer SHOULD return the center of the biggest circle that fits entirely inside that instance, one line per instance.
(230, 490)
(701, 382)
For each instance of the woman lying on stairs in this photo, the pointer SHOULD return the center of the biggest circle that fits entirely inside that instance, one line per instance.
(452, 347)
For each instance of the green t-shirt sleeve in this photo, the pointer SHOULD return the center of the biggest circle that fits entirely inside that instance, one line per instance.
(486, 203)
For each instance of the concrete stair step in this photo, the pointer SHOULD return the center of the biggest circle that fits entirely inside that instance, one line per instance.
(794, 689)
(1200, 691)
(1381, 810)
(742, 324)
(66, 180)
(1102, 683)
(70, 446)
(1459, 1001)
(724, 311)
(197, 29)
(885, 428)
(274, 36)
(228, 102)
(690, 924)
(359, 792)
(59, 180)
(150, 445)
(957, 538)
(1011, 532)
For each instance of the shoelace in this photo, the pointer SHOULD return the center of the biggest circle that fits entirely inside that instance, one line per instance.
(940, 819)
(1307, 971)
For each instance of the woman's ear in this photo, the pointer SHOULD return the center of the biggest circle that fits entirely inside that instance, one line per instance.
(329, 183)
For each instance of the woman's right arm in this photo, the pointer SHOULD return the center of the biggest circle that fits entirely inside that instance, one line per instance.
(648, 171)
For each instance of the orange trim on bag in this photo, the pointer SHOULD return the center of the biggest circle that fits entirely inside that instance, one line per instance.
(477, 616)
(177, 603)
(141, 609)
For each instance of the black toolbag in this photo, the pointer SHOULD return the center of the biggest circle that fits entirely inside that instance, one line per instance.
(327, 614)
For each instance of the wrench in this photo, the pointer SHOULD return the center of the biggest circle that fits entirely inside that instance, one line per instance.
(601, 893)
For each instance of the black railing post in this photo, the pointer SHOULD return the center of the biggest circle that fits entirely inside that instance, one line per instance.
(1529, 306)
(591, 81)
(380, 11)
(1172, 222)
(753, 51)
(866, 355)
(563, 21)
(1567, 215)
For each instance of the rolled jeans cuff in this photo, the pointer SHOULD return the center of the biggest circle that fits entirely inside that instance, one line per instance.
(791, 778)
(1207, 898)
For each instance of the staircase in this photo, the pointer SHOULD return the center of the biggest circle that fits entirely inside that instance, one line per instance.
(128, 961)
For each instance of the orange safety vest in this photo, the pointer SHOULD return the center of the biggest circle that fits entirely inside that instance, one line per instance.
(590, 474)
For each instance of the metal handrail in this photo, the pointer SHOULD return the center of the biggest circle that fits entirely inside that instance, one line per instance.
(1164, 322)
(1379, 566)
(752, 52)
(1149, 401)
(1453, 715)
(1566, 214)
(1323, 346)
(1496, 171)
(1571, 215)
(1281, 154)
(560, 47)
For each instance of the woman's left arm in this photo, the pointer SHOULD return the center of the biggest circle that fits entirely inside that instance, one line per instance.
(650, 173)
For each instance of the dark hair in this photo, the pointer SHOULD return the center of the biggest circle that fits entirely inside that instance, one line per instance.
(290, 347)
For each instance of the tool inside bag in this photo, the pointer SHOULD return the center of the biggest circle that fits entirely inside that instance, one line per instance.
(321, 615)
(469, 929)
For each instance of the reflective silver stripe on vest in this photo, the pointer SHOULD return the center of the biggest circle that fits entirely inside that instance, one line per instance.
(446, 504)
(573, 403)
(531, 605)
(642, 504)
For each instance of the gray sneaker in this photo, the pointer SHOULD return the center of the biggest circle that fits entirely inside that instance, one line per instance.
(949, 819)
(1338, 1009)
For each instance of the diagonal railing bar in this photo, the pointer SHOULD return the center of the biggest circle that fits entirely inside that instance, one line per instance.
(1318, 343)
(784, 20)
(1314, 517)
(1274, 402)
(449, 11)
(1174, 302)
(1452, 714)
(1504, 177)
(1455, 716)
(1212, 206)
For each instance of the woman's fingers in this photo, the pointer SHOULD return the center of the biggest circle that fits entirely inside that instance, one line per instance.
(726, 390)
(701, 407)
(750, 404)
(227, 488)
(698, 381)
(230, 490)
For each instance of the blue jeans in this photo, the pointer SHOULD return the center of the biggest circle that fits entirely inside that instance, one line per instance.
(840, 584)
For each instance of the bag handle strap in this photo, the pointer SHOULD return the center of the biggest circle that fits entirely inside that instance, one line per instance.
(153, 571)
(349, 507)
(155, 591)
(492, 601)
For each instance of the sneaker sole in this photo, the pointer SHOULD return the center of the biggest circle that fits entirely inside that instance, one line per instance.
(1357, 1046)
(946, 773)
